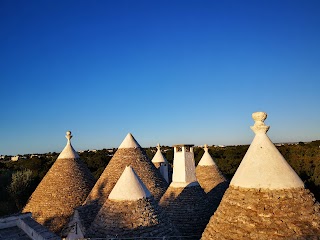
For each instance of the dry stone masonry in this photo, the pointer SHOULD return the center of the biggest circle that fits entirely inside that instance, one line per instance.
(247, 213)
(211, 179)
(266, 199)
(128, 153)
(188, 209)
(185, 202)
(63, 188)
(130, 211)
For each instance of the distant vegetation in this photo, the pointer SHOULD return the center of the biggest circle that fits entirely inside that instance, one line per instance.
(19, 179)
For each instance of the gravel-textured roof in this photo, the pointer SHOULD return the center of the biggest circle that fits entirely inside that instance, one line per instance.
(64, 187)
(266, 199)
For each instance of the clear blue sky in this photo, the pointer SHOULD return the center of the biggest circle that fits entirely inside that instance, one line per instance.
(167, 71)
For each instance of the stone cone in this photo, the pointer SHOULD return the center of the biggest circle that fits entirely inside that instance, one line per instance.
(187, 208)
(128, 153)
(266, 199)
(162, 164)
(211, 180)
(185, 202)
(130, 211)
(64, 187)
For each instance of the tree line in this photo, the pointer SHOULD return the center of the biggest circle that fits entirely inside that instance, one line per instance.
(19, 179)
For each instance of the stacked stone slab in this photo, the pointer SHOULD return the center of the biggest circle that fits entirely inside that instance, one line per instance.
(266, 199)
(64, 187)
(161, 163)
(24, 227)
(185, 202)
(211, 179)
(130, 211)
(128, 153)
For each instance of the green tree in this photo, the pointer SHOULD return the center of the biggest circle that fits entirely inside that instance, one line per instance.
(20, 184)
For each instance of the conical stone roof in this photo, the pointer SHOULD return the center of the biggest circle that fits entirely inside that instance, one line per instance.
(158, 157)
(68, 152)
(266, 199)
(130, 211)
(211, 179)
(208, 173)
(129, 153)
(64, 187)
(187, 208)
(186, 202)
(162, 164)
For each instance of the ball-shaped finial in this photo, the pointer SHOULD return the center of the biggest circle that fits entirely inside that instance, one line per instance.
(259, 116)
(205, 147)
(68, 136)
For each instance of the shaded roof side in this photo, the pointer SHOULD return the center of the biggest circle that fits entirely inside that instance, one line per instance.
(40, 230)
(87, 214)
(14, 232)
(22, 226)
(187, 208)
(142, 218)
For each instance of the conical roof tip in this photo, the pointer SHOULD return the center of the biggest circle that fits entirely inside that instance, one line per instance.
(158, 157)
(129, 142)
(206, 159)
(263, 166)
(68, 152)
(129, 187)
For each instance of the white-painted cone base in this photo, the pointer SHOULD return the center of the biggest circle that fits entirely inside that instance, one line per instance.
(206, 159)
(158, 157)
(129, 187)
(68, 152)
(263, 166)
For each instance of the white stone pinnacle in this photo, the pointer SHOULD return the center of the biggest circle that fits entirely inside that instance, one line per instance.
(263, 166)
(129, 142)
(129, 187)
(206, 159)
(68, 152)
(158, 157)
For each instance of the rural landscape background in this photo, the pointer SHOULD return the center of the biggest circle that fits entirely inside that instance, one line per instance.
(169, 71)
(20, 178)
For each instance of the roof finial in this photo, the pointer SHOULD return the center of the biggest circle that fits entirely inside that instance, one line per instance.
(205, 147)
(158, 146)
(259, 126)
(68, 136)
